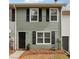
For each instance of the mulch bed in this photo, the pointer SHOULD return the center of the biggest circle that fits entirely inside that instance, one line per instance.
(11, 51)
(48, 53)
(33, 52)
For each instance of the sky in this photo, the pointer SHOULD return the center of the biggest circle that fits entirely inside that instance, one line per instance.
(37, 1)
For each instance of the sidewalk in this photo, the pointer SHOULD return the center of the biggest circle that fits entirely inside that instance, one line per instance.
(16, 55)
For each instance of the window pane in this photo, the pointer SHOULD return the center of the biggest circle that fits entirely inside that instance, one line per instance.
(47, 40)
(34, 15)
(53, 18)
(34, 12)
(53, 14)
(47, 34)
(40, 34)
(34, 18)
(40, 40)
(53, 11)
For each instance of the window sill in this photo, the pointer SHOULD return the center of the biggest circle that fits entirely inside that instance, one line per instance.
(43, 43)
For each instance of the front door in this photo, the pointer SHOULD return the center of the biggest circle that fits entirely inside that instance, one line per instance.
(65, 40)
(22, 40)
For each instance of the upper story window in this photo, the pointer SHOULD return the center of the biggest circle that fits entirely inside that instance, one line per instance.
(53, 14)
(13, 15)
(34, 14)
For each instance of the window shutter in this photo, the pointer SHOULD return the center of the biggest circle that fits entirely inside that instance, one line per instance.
(47, 15)
(13, 15)
(53, 37)
(34, 37)
(27, 15)
(40, 15)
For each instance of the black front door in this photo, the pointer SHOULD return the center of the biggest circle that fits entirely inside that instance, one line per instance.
(65, 40)
(22, 40)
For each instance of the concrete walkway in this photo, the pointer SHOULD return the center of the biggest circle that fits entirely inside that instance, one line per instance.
(16, 55)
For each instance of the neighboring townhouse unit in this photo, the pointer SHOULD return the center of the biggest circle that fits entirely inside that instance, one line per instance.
(11, 27)
(37, 25)
(66, 27)
(12, 21)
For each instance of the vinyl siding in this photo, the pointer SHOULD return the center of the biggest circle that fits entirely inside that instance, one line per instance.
(65, 25)
(28, 27)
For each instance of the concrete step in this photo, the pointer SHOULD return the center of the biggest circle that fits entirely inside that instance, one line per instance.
(16, 55)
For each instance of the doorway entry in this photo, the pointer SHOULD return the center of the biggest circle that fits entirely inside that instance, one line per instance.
(22, 37)
(65, 40)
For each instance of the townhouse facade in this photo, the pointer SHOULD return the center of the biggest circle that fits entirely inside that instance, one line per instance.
(38, 25)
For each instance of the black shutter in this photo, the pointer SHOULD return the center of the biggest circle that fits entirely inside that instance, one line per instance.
(40, 15)
(34, 37)
(47, 15)
(27, 15)
(13, 15)
(53, 37)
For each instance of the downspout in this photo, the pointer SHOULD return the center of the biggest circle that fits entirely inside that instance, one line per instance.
(15, 46)
(61, 27)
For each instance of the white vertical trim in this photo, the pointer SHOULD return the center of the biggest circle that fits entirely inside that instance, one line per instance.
(36, 37)
(57, 15)
(15, 31)
(25, 39)
(43, 38)
(61, 31)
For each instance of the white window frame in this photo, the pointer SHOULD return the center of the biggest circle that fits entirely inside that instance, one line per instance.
(57, 14)
(43, 38)
(37, 14)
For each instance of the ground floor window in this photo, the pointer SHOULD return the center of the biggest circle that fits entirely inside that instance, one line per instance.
(43, 37)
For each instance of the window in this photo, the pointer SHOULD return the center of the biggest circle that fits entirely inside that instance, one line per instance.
(53, 14)
(13, 15)
(43, 37)
(34, 14)
(40, 37)
(47, 37)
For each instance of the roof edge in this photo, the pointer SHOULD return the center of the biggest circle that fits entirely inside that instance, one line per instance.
(36, 4)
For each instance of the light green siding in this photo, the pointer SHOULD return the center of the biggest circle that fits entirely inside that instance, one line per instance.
(28, 27)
